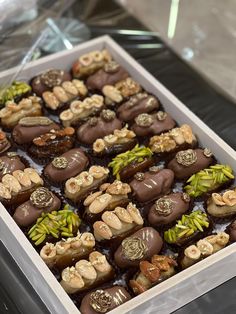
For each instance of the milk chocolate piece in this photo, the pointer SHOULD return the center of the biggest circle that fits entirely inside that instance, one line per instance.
(150, 185)
(103, 301)
(168, 209)
(41, 201)
(187, 162)
(99, 127)
(66, 166)
(109, 75)
(49, 79)
(53, 143)
(140, 246)
(140, 103)
(152, 124)
(9, 163)
(30, 127)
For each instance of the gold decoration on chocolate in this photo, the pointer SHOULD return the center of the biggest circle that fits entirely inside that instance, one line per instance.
(134, 248)
(139, 176)
(186, 157)
(164, 206)
(60, 162)
(111, 67)
(52, 78)
(93, 121)
(186, 198)
(161, 115)
(207, 152)
(34, 121)
(41, 197)
(144, 120)
(100, 301)
(108, 115)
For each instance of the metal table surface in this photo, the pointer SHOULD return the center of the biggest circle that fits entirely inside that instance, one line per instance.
(214, 108)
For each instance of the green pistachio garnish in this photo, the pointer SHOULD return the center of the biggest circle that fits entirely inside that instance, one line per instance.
(136, 155)
(208, 179)
(16, 89)
(187, 226)
(62, 223)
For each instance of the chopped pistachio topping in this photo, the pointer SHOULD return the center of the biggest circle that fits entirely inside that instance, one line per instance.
(208, 179)
(187, 226)
(63, 223)
(16, 89)
(136, 155)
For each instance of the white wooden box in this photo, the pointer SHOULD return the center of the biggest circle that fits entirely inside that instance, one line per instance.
(172, 293)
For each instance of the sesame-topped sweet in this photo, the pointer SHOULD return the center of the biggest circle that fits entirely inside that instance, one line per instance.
(81, 110)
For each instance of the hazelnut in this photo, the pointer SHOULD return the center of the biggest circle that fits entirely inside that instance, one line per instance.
(110, 139)
(76, 107)
(48, 252)
(72, 186)
(86, 179)
(192, 252)
(86, 59)
(99, 145)
(229, 197)
(87, 239)
(205, 247)
(66, 115)
(98, 172)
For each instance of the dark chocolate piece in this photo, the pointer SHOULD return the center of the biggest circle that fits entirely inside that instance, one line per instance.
(47, 80)
(140, 103)
(109, 75)
(190, 161)
(52, 144)
(152, 124)
(41, 201)
(168, 208)
(96, 128)
(150, 185)
(66, 166)
(140, 246)
(9, 163)
(30, 127)
(103, 301)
